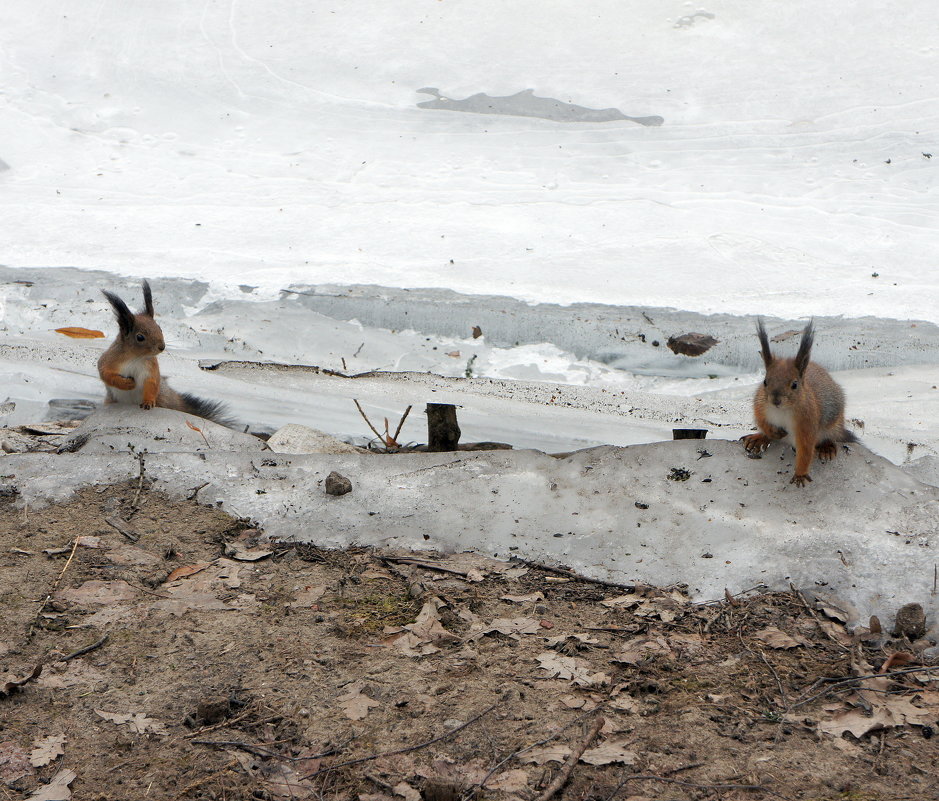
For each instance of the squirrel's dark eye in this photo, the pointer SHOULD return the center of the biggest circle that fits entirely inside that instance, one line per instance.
(795, 385)
(140, 337)
(764, 382)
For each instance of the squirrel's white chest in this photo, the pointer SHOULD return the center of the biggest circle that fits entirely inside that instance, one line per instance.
(137, 369)
(781, 418)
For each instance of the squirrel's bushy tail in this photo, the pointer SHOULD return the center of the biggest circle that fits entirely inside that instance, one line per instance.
(216, 411)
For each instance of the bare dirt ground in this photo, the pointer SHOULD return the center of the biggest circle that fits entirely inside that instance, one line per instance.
(225, 667)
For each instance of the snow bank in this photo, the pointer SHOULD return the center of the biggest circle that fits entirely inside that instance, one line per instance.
(693, 512)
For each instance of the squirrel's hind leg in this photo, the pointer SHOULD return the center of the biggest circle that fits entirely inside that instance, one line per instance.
(826, 450)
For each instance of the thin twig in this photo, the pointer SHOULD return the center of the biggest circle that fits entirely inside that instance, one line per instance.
(408, 749)
(841, 682)
(205, 779)
(226, 722)
(576, 753)
(365, 418)
(143, 469)
(510, 757)
(258, 750)
(818, 621)
(641, 777)
(401, 423)
(561, 571)
(85, 650)
(407, 560)
(56, 584)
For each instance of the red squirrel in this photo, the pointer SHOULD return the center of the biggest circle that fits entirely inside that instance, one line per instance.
(799, 402)
(129, 367)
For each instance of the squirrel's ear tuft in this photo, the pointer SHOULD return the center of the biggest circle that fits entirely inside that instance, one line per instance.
(125, 317)
(764, 343)
(147, 300)
(805, 347)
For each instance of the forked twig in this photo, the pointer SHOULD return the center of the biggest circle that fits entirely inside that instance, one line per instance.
(408, 749)
(565, 773)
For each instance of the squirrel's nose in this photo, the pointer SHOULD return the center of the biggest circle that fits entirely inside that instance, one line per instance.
(162, 346)
(776, 400)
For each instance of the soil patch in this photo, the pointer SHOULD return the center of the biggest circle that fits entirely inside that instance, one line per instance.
(202, 662)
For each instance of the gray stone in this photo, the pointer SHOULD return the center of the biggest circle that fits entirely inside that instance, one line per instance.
(337, 484)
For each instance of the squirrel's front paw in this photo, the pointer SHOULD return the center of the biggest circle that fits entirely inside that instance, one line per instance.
(146, 405)
(799, 481)
(755, 444)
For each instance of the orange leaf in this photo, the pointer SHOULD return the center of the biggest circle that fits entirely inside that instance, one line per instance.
(80, 333)
(194, 428)
(187, 570)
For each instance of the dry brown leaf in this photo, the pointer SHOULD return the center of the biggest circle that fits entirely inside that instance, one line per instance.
(895, 660)
(509, 781)
(421, 636)
(47, 750)
(137, 721)
(243, 553)
(578, 702)
(549, 753)
(621, 602)
(608, 752)
(776, 638)
(14, 763)
(80, 333)
(57, 789)
(511, 627)
(570, 668)
(185, 571)
(524, 599)
(284, 781)
(407, 792)
(99, 593)
(10, 683)
(354, 704)
(634, 651)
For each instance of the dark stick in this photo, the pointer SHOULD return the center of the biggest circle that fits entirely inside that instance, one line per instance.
(561, 779)
(86, 649)
(572, 575)
(116, 522)
(257, 750)
(410, 748)
(405, 560)
(852, 679)
(521, 751)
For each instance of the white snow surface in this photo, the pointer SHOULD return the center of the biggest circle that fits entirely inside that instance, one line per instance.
(274, 143)
(864, 533)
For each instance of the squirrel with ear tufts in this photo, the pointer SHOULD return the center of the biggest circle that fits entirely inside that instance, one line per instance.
(798, 402)
(130, 371)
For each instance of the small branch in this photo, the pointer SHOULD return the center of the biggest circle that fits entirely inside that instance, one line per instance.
(143, 469)
(510, 757)
(410, 748)
(648, 777)
(812, 612)
(561, 779)
(401, 424)
(407, 560)
(367, 420)
(257, 750)
(849, 680)
(561, 571)
(121, 526)
(55, 586)
(87, 649)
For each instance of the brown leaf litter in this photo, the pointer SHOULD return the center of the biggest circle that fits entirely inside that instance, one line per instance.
(314, 674)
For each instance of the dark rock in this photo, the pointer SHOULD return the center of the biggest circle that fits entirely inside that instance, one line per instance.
(337, 484)
(691, 344)
(213, 711)
(911, 622)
